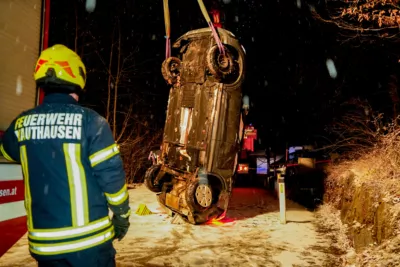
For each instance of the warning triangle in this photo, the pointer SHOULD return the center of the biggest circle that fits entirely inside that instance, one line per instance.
(143, 210)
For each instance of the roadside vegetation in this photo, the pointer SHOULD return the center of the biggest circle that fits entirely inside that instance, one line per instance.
(362, 191)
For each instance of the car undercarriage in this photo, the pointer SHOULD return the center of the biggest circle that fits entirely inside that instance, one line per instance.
(193, 175)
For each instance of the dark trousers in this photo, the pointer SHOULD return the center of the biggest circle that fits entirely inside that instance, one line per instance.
(103, 256)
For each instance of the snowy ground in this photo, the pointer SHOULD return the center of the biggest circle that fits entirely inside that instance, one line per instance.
(251, 235)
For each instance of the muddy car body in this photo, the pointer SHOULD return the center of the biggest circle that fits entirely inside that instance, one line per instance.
(193, 175)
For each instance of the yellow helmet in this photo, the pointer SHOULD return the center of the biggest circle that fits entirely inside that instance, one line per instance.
(59, 65)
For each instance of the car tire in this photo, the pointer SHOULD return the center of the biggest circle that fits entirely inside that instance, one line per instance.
(193, 188)
(170, 69)
(222, 67)
(150, 176)
(208, 215)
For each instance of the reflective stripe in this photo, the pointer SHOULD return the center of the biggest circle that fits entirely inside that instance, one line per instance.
(28, 198)
(119, 197)
(126, 215)
(103, 154)
(77, 184)
(5, 154)
(72, 246)
(51, 234)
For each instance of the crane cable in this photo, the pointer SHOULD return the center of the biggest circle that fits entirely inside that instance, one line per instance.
(167, 23)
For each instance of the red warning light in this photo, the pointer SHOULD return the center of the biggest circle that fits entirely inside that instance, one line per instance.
(221, 220)
(243, 168)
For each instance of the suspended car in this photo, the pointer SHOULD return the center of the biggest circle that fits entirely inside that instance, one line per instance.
(201, 136)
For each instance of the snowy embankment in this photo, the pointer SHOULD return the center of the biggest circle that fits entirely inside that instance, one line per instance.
(250, 235)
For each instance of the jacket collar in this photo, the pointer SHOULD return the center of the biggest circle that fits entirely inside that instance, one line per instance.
(59, 98)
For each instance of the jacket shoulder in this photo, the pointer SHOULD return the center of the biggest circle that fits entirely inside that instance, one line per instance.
(27, 112)
(94, 118)
(90, 112)
(23, 113)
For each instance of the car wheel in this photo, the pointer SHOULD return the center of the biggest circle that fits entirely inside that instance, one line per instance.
(199, 195)
(222, 67)
(150, 176)
(170, 69)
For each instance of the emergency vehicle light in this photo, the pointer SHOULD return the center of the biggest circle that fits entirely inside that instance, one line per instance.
(243, 168)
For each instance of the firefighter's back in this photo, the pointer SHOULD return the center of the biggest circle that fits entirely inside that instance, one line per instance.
(64, 202)
(72, 168)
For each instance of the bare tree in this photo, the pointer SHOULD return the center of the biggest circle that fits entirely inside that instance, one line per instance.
(117, 69)
(394, 96)
(123, 106)
(117, 80)
(80, 33)
(130, 128)
(363, 18)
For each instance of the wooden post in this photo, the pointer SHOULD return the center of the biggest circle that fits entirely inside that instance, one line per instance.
(282, 198)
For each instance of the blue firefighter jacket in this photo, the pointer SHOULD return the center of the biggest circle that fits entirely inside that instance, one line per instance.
(72, 173)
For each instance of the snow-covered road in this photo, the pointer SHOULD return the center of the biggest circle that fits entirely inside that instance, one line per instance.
(251, 235)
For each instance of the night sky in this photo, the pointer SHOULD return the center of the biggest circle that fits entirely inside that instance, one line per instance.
(293, 97)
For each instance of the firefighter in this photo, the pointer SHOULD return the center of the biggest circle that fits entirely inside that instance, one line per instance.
(72, 170)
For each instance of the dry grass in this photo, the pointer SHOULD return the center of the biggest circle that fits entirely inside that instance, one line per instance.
(329, 223)
(377, 166)
(385, 255)
(135, 151)
(372, 164)
(372, 155)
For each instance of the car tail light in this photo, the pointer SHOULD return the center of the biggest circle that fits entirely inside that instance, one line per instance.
(243, 168)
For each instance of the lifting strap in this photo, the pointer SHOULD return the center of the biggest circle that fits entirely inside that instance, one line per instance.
(168, 28)
(211, 25)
